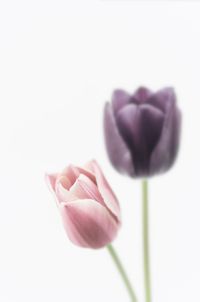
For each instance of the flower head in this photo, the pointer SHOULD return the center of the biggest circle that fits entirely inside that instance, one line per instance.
(142, 131)
(88, 206)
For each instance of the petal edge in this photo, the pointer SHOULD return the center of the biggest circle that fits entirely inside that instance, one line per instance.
(117, 150)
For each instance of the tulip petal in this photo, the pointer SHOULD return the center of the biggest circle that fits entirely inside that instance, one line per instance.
(85, 188)
(166, 150)
(51, 181)
(88, 223)
(106, 192)
(117, 149)
(175, 142)
(140, 127)
(141, 95)
(73, 172)
(120, 98)
(62, 193)
(163, 99)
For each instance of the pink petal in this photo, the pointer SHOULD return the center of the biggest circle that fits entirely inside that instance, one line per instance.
(51, 181)
(70, 173)
(66, 183)
(85, 188)
(88, 223)
(89, 167)
(66, 180)
(63, 194)
(73, 172)
(106, 192)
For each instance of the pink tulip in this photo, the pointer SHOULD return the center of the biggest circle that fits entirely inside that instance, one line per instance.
(88, 206)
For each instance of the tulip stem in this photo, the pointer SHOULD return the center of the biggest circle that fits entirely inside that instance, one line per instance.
(147, 281)
(122, 272)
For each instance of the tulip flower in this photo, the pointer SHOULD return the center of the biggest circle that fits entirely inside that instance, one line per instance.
(142, 131)
(88, 206)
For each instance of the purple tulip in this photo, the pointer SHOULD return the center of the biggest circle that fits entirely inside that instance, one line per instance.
(142, 131)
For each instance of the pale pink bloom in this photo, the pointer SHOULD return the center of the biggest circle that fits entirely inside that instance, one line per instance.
(88, 206)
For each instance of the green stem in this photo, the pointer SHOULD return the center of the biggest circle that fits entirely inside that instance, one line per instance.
(122, 272)
(147, 281)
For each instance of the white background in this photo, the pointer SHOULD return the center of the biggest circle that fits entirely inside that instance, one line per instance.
(59, 62)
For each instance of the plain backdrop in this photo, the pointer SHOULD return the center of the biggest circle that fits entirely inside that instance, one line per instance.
(59, 62)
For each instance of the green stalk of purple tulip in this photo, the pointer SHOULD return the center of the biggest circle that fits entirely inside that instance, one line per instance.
(145, 216)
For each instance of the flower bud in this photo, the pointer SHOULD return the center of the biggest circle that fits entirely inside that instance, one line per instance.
(88, 206)
(142, 131)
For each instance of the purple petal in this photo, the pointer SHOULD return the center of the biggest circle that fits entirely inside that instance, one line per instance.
(118, 152)
(120, 98)
(140, 127)
(166, 150)
(175, 142)
(141, 95)
(163, 99)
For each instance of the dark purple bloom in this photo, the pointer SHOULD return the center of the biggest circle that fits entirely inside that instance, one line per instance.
(142, 131)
